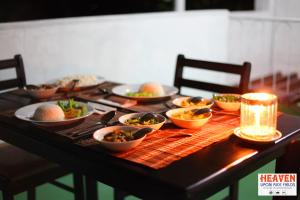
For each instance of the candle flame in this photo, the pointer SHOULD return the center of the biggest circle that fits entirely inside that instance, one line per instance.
(257, 110)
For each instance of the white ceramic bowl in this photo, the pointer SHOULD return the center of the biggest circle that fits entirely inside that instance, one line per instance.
(42, 93)
(157, 126)
(116, 146)
(228, 106)
(190, 124)
(207, 103)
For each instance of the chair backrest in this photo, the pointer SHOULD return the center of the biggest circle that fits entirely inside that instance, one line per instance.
(242, 70)
(20, 80)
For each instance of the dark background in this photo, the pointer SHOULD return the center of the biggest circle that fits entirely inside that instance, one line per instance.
(23, 10)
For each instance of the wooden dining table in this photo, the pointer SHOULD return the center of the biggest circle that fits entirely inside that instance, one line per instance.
(193, 174)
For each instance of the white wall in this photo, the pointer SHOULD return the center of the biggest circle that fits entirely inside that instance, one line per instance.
(268, 38)
(142, 47)
(125, 48)
(250, 41)
(287, 8)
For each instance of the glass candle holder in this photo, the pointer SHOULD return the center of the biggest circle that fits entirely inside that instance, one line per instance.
(258, 115)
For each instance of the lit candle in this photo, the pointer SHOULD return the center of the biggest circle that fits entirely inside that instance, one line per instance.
(258, 115)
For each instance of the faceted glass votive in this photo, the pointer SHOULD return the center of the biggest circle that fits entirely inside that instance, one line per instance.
(258, 115)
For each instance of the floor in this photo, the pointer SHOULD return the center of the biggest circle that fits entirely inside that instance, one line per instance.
(247, 186)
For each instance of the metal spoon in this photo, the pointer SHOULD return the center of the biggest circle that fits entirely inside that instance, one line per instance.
(74, 83)
(71, 88)
(141, 132)
(103, 90)
(103, 121)
(195, 99)
(148, 116)
(210, 102)
(179, 135)
(201, 111)
(107, 117)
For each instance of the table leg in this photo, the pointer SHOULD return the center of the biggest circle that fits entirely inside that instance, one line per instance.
(31, 194)
(234, 190)
(119, 194)
(91, 191)
(78, 186)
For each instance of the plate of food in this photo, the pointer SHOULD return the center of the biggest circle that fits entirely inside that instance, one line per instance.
(199, 102)
(146, 92)
(54, 113)
(78, 82)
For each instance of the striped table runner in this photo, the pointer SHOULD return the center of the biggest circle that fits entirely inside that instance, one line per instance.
(158, 150)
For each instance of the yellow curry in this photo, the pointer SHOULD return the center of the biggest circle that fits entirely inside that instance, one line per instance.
(189, 115)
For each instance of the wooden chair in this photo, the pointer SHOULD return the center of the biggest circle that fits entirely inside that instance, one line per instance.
(19, 170)
(20, 80)
(242, 70)
(241, 87)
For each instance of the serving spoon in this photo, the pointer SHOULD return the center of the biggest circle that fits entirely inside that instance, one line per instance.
(195, 99)
(141, 132)
(201, 111)
(103, 121)
(180, 135)
(72, 87)
(148, 116)
(74, 83)
(106, 118)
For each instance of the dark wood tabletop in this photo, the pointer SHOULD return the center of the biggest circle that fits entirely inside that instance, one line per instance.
(196, 176)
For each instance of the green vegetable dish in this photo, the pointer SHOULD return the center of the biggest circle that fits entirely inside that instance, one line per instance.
(227, 98)
(141, 94)
(138, 121)
(119, 136)
(72, 109)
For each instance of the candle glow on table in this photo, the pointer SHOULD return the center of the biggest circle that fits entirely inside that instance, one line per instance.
(258, 115)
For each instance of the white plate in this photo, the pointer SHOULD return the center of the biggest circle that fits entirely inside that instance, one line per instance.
(275, 137)
(122, 90)
(25, 113)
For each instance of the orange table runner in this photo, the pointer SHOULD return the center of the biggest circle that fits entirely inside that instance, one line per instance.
(158, 151)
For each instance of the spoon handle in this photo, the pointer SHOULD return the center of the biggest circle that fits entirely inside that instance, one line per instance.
(201, 111)
(142, 132)
(86, 131)
(179, 135)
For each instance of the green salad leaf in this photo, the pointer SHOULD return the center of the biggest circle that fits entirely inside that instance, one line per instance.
(141, 94)
(72, 108)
